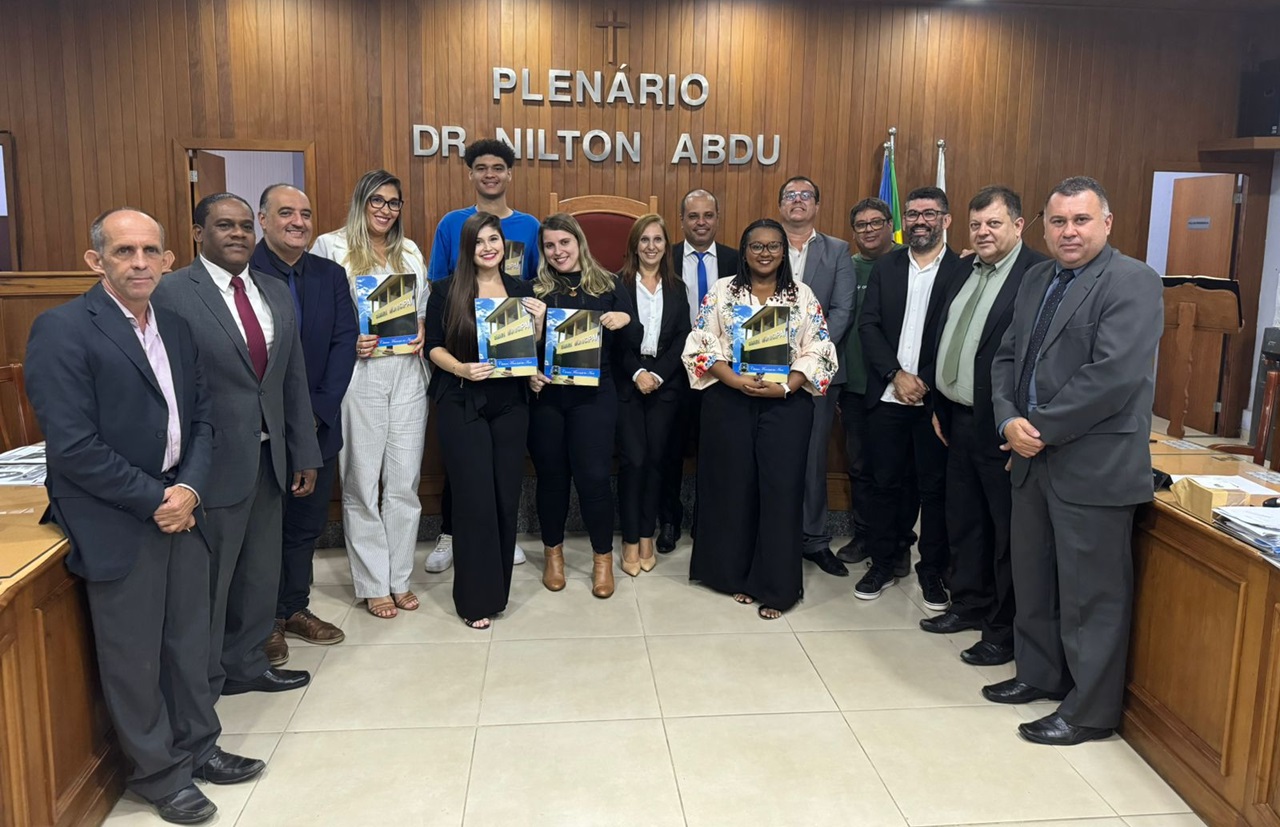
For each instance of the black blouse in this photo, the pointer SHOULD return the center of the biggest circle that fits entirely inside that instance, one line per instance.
(435, 323)
(614, 342)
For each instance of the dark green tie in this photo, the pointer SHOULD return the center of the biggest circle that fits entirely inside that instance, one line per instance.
(951, 366)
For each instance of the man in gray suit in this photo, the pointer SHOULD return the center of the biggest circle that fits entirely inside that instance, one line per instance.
(822, 262)
(1072, 387)
(243, 324)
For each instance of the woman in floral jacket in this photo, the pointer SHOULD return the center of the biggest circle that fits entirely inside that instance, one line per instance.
(755, 423)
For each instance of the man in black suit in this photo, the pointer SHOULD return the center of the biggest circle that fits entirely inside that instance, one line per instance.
(327, 325)
(979, 498)
(120, 395)
(700, 260)
(899, 325)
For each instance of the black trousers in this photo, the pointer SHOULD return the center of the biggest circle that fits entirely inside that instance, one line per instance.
(644, 430)
(482, 441)
(446, 505)
(304, 519)
(979, 508)
(571, 435)
(684, 437)
(901, 437)
(151, 631)
(853, 416)
(751, 464)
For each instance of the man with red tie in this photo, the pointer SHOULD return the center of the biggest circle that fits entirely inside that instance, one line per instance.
(264, 435)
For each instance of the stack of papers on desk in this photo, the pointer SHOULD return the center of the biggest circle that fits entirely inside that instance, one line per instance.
(1259, 527)
(23, 466)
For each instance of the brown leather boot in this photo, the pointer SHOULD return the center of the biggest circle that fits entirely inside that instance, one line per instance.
(553, 571)
(276, 648)
(631, 558)
(647, 558)
(602, 575)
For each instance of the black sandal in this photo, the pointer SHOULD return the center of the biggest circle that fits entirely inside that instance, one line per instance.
(761, 612)
(475, 624)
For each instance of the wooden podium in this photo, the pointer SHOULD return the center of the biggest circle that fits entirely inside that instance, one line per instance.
(1196, 318)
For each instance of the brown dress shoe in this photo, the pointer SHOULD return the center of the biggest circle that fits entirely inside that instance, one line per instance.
(631, 558)
(312, 629)
(602, 575)
(553, 573)
(276, 648)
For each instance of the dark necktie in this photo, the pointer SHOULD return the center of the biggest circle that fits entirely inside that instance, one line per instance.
(297, 298)
(1056, 292)
(252, 329)
(702, 276)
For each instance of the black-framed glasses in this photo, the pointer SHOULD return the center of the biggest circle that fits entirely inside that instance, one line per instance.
(873, 224)
(759, 247)
(927, 215)
(393, 204)
(799, 195)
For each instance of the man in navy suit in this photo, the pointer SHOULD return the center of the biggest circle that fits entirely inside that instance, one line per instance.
(328, 326)
(117, 386)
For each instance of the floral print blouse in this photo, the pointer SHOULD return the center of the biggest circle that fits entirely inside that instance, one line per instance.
(812, 352)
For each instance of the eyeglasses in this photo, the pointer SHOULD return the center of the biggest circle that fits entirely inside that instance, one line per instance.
(759, 247)
(801, 195)
(873, 224)
(378, 202)
(927, 215)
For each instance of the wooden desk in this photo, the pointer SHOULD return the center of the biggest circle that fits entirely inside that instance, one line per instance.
(1204, 662)
(58, 761)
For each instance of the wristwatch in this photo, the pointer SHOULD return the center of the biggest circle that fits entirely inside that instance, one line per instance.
(888, 377)
(786, 390)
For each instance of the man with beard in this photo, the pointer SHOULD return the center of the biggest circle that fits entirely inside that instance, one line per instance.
(898, 326)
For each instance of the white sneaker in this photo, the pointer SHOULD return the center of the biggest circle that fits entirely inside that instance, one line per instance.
(519, 557)
(441, 557)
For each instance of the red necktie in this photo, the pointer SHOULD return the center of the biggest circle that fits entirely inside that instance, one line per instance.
(252, 329)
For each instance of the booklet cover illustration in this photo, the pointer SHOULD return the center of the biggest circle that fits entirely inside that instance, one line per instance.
(388, 309)
(513, 261)
(573, 346)
(504, 331)
(760, 342)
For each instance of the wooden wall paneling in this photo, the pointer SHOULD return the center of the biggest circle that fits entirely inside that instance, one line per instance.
(14, 807)
(1264, 784)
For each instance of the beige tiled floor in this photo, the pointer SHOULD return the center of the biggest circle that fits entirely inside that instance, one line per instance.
(665, 705)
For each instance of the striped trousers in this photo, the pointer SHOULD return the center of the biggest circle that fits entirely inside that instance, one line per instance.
(384, 425)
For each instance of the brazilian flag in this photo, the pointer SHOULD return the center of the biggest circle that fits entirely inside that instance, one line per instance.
(889, 192)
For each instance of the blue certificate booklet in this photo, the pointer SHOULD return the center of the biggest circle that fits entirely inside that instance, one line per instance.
(504, 332)
(761, 346)
(387, 306)
(573, 346)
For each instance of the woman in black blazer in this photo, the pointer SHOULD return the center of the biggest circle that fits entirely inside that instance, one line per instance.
(483, 420)
(650, 377)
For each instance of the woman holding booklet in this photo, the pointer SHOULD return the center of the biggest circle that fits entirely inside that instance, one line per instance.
(649, 376)
(574, 415)
(481, 332)
(760, 351)
(384, 413)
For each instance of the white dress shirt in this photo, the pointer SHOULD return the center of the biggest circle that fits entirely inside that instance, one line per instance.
(222, 279)
(649, 314)
(800, 257)
(919, 287)
(689, 273)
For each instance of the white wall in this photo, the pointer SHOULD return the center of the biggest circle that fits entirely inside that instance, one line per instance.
(249, 173)
(1161, 212)
(4, 195)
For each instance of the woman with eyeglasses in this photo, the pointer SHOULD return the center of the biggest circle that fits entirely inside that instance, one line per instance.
(755, 432)
(649, 376)
(384, 413)
(572, 428)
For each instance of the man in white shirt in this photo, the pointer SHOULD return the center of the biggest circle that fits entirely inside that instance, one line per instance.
(905, 296)
(701, 261)
(824, 264)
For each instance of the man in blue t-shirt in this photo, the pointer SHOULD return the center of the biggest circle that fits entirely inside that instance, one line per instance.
(489, 162)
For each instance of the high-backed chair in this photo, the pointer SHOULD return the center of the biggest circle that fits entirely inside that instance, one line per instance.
(606, 221)
(17, 420)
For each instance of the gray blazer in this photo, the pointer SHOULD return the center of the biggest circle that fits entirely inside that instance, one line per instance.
(1095, 381)
(240, 404)
(829, 273)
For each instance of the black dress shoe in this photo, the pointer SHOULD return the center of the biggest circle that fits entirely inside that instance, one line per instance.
(827, 561)
(984, 653)
(272, 680)
(1014, 691)
(854, 551)
(226, 768)
(948, 623)
(187, 806)
(668, 536)
(1056, 732)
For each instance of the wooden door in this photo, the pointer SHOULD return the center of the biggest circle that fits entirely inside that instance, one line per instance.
(1202, 227)
(210, 175)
